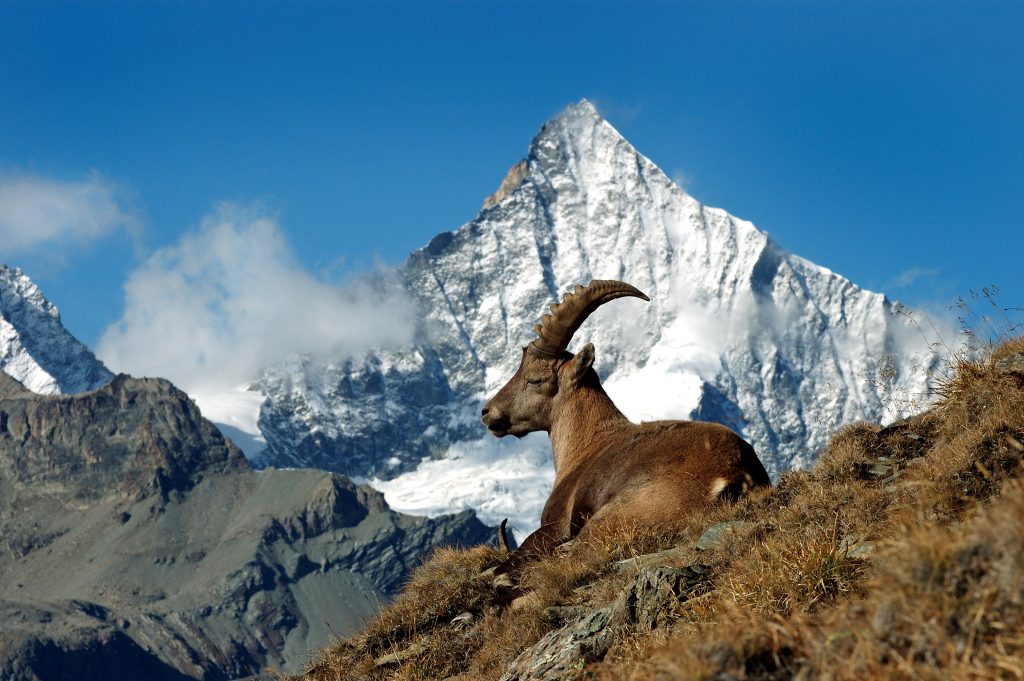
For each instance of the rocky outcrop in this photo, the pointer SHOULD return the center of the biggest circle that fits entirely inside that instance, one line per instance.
(515, 177)
(648, 602)
(73, 640)
(131, 438)
(389, 411)
(138, 543)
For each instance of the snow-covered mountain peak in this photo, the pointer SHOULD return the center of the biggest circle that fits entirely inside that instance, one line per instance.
(580, 120)
(16, 284)
(738, 331)
(35, 348)
(581, 109)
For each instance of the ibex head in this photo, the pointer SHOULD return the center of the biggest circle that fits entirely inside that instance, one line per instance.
(547, 373)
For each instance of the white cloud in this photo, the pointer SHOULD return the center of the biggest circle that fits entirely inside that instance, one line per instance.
(915, 274)
(683, 179)
(39, 212)
(230, 299)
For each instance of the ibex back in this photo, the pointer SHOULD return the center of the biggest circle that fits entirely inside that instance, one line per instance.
(607, 469)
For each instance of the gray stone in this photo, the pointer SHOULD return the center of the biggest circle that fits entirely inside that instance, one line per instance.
(563, 653)
(1014, 364)
(677, 554)
(856, 547)
(651, 599)
(719, 533)
(648, 602)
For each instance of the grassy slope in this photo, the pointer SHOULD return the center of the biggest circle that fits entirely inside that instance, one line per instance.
(900, 555)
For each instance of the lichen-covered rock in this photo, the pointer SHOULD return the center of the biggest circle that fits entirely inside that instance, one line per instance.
(648, 602)
(563, 653)
(719, 533)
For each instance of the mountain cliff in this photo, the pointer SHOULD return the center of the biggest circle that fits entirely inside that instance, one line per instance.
(738, 331)
(138, 542)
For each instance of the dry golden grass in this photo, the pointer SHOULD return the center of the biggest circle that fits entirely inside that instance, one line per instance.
(899, 555)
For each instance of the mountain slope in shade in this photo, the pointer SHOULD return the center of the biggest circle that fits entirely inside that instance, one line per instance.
(738, 331)
(35, 348)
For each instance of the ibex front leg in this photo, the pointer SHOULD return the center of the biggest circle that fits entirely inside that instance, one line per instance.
(541, 543)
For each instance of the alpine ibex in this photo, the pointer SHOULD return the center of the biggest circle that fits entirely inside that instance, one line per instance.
(607, 469)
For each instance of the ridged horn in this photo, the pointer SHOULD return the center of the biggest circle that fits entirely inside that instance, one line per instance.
(556, 329)
(502, 537)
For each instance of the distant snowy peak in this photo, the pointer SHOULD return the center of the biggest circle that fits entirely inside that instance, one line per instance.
(35, 348)
(738, 331)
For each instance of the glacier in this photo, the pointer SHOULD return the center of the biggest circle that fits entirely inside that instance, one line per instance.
(738, 331)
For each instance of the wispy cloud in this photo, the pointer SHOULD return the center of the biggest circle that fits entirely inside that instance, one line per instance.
(229, 299)
(37, 212)
(617, 112)
(683, 179)
(914, 275)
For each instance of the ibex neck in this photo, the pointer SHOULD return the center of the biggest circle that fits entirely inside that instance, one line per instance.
(580, 424)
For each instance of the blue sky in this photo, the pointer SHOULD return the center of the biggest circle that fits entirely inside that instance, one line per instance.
(882, 140)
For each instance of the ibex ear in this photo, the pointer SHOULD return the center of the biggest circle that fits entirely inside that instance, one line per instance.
(582, 362)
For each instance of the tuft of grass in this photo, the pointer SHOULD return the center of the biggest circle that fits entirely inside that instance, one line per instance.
(795, 570)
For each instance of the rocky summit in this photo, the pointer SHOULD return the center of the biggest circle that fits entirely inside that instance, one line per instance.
(138, 543)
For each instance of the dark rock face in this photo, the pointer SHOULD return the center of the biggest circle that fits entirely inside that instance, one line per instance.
(133, 437)
(75, 643)
(138, 543)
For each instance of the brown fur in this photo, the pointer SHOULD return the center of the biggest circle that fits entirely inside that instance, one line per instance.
(608, 470)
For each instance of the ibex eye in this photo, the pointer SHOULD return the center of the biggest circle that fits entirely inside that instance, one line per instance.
(534, 381)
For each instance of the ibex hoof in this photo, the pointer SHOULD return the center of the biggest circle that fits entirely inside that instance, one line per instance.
(463, 619)
(566, 547)
(503, 582)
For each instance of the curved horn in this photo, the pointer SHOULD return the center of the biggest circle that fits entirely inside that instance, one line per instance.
(556, 329)
(502, 538)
